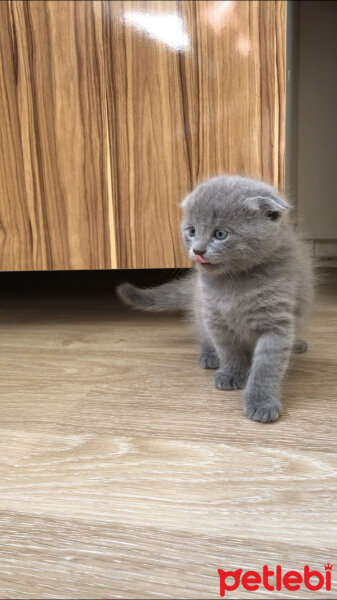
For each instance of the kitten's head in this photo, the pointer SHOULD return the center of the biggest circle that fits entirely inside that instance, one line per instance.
(233, 223)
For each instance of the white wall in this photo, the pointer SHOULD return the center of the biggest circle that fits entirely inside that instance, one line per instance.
(317, 124)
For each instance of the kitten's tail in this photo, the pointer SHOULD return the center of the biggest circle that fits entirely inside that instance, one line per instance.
(172, 296)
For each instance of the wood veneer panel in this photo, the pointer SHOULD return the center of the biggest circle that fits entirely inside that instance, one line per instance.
(184, 108)
(54, 197)
(110, 116)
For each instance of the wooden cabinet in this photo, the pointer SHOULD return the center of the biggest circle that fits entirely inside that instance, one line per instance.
(110, 112)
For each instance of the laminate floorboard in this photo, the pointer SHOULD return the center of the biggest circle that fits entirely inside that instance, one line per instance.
(125, 474)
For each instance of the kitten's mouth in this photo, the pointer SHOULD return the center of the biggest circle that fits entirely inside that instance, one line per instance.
(200, 259)
(204, 263)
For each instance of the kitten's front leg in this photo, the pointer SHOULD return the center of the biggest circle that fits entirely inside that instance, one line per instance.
(208, 358)
(233, 357)
(270, 360)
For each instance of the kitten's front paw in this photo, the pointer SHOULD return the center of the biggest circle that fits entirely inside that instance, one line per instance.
(208, 359)
(229, 381)
(261, 409)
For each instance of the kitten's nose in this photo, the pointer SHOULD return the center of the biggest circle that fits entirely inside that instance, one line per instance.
(199, 252)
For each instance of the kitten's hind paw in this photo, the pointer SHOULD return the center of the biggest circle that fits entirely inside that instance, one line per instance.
(229, 381)
(300, 346)
(208, 359)
(262, 410)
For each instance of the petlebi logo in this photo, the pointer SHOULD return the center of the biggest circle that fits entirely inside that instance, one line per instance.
(275, 579)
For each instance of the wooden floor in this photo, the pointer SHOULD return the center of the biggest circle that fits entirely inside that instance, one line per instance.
(125, 474)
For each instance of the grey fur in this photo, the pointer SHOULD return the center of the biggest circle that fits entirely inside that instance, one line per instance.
(172, 296)
(251, 299)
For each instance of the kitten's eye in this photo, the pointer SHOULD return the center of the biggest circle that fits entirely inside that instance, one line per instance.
(220, 234)
(191, 231)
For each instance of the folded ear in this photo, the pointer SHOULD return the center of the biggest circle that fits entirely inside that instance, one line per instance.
(272, 205)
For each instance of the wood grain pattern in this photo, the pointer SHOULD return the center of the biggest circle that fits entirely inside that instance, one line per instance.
(125, 474)
(112, 111)
(53, 156)
(178, 117)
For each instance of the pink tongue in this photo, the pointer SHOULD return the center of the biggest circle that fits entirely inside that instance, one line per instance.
(199, 259)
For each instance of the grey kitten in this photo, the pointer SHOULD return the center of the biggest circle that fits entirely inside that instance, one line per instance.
(250, 292)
